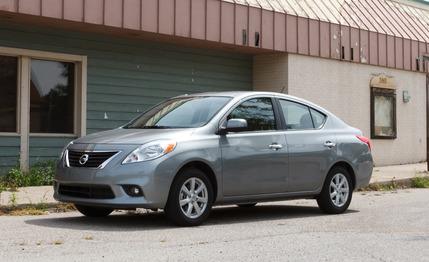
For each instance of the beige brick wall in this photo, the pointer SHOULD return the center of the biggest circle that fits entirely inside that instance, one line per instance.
(343, 89)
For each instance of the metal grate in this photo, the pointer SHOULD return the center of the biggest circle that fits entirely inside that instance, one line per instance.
(88, 159)
(86, 191)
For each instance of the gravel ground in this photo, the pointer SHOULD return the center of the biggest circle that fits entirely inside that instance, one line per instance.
(379, 226)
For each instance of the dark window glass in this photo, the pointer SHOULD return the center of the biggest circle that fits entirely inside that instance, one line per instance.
(8, 91)
(52, 97)
(383, 117)
(297, 116)
(186, 112)
(258, 112)
(318, 118)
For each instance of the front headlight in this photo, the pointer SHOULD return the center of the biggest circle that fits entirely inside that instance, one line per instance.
(150, 151)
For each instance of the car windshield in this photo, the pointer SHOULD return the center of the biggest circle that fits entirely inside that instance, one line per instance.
(184, 112)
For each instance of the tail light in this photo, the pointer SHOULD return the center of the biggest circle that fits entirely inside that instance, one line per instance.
(365, 140)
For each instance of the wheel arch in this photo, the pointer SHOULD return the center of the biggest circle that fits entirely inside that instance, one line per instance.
(348, 167)
(204, 167)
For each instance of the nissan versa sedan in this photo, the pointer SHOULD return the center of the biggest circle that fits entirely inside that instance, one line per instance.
(192, 152)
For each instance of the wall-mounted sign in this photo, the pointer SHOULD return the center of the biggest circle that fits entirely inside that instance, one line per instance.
(383, 81)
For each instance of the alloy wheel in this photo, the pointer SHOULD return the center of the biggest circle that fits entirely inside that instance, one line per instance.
(193, 198)
(339, 189)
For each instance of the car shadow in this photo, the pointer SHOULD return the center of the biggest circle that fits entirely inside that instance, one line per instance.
(157, 221)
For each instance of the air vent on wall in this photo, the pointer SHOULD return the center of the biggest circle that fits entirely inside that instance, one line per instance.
(257, 39)
(244, 34)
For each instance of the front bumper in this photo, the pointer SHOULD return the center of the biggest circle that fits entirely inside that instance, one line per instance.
(153, 177)
(121, 200)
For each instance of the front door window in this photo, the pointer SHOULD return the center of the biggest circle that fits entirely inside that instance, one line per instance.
(258, 112)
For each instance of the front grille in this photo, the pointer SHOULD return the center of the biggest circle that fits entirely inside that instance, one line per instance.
(86, 191)
(94, 159)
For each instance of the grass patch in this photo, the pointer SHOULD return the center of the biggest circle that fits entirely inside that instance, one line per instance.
(392, 185)
(35, 209)
(40, 174)
(2, 188)
(416, 182)
(420, 182)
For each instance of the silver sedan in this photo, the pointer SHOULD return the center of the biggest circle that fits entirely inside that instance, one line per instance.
(191, 152)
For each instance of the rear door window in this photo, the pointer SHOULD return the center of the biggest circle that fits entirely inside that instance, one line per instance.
(318, 118)
(296, 116)
(301, 117)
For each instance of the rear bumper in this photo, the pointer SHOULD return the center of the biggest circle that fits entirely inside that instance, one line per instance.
(363, 174)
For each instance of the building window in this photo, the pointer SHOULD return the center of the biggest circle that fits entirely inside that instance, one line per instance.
(9, 93)
(42, 93)
(52, 86)
(383, 113)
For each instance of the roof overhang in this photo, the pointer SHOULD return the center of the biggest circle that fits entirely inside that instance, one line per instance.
(385, 33)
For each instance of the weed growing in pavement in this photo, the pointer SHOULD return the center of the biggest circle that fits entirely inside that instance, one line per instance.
(35, 209)
(420, 182)
(88, 237)
(58, 242)
(12, 199)
(392, 185)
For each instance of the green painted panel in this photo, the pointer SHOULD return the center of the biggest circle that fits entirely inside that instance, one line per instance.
(9, 161)
(12, 151)
(9, 153)
(46, 148)
(125, 76)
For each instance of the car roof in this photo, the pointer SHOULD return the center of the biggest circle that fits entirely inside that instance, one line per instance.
(238, 94)
(243, 94)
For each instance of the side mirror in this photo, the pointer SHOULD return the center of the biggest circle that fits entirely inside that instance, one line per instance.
(234, 125)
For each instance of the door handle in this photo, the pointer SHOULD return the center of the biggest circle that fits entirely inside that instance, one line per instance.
(329, 144)
(275, 146)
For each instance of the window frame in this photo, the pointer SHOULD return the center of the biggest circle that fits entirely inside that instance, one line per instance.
(312, 118)
(386, 92)
(278, 124)
(23, 104)
(283, 119)
(24, 57)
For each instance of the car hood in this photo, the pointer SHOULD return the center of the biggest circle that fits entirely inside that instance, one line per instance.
(133, 136)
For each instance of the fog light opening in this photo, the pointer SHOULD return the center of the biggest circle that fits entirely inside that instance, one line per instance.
(133, 190)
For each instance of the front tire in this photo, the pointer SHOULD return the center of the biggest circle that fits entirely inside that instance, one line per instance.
(190, 199)
(337, 191)
(91, 211)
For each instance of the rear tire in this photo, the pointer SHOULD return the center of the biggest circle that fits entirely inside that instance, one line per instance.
(337, 191)
(91, 211)
(190, 199)
(248, 205)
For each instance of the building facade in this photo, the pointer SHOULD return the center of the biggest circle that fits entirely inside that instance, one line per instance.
(72, 67)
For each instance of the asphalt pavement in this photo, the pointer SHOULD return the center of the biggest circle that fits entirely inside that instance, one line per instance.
(379, 226)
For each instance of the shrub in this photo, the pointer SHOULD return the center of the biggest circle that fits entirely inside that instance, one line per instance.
(40, 174)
